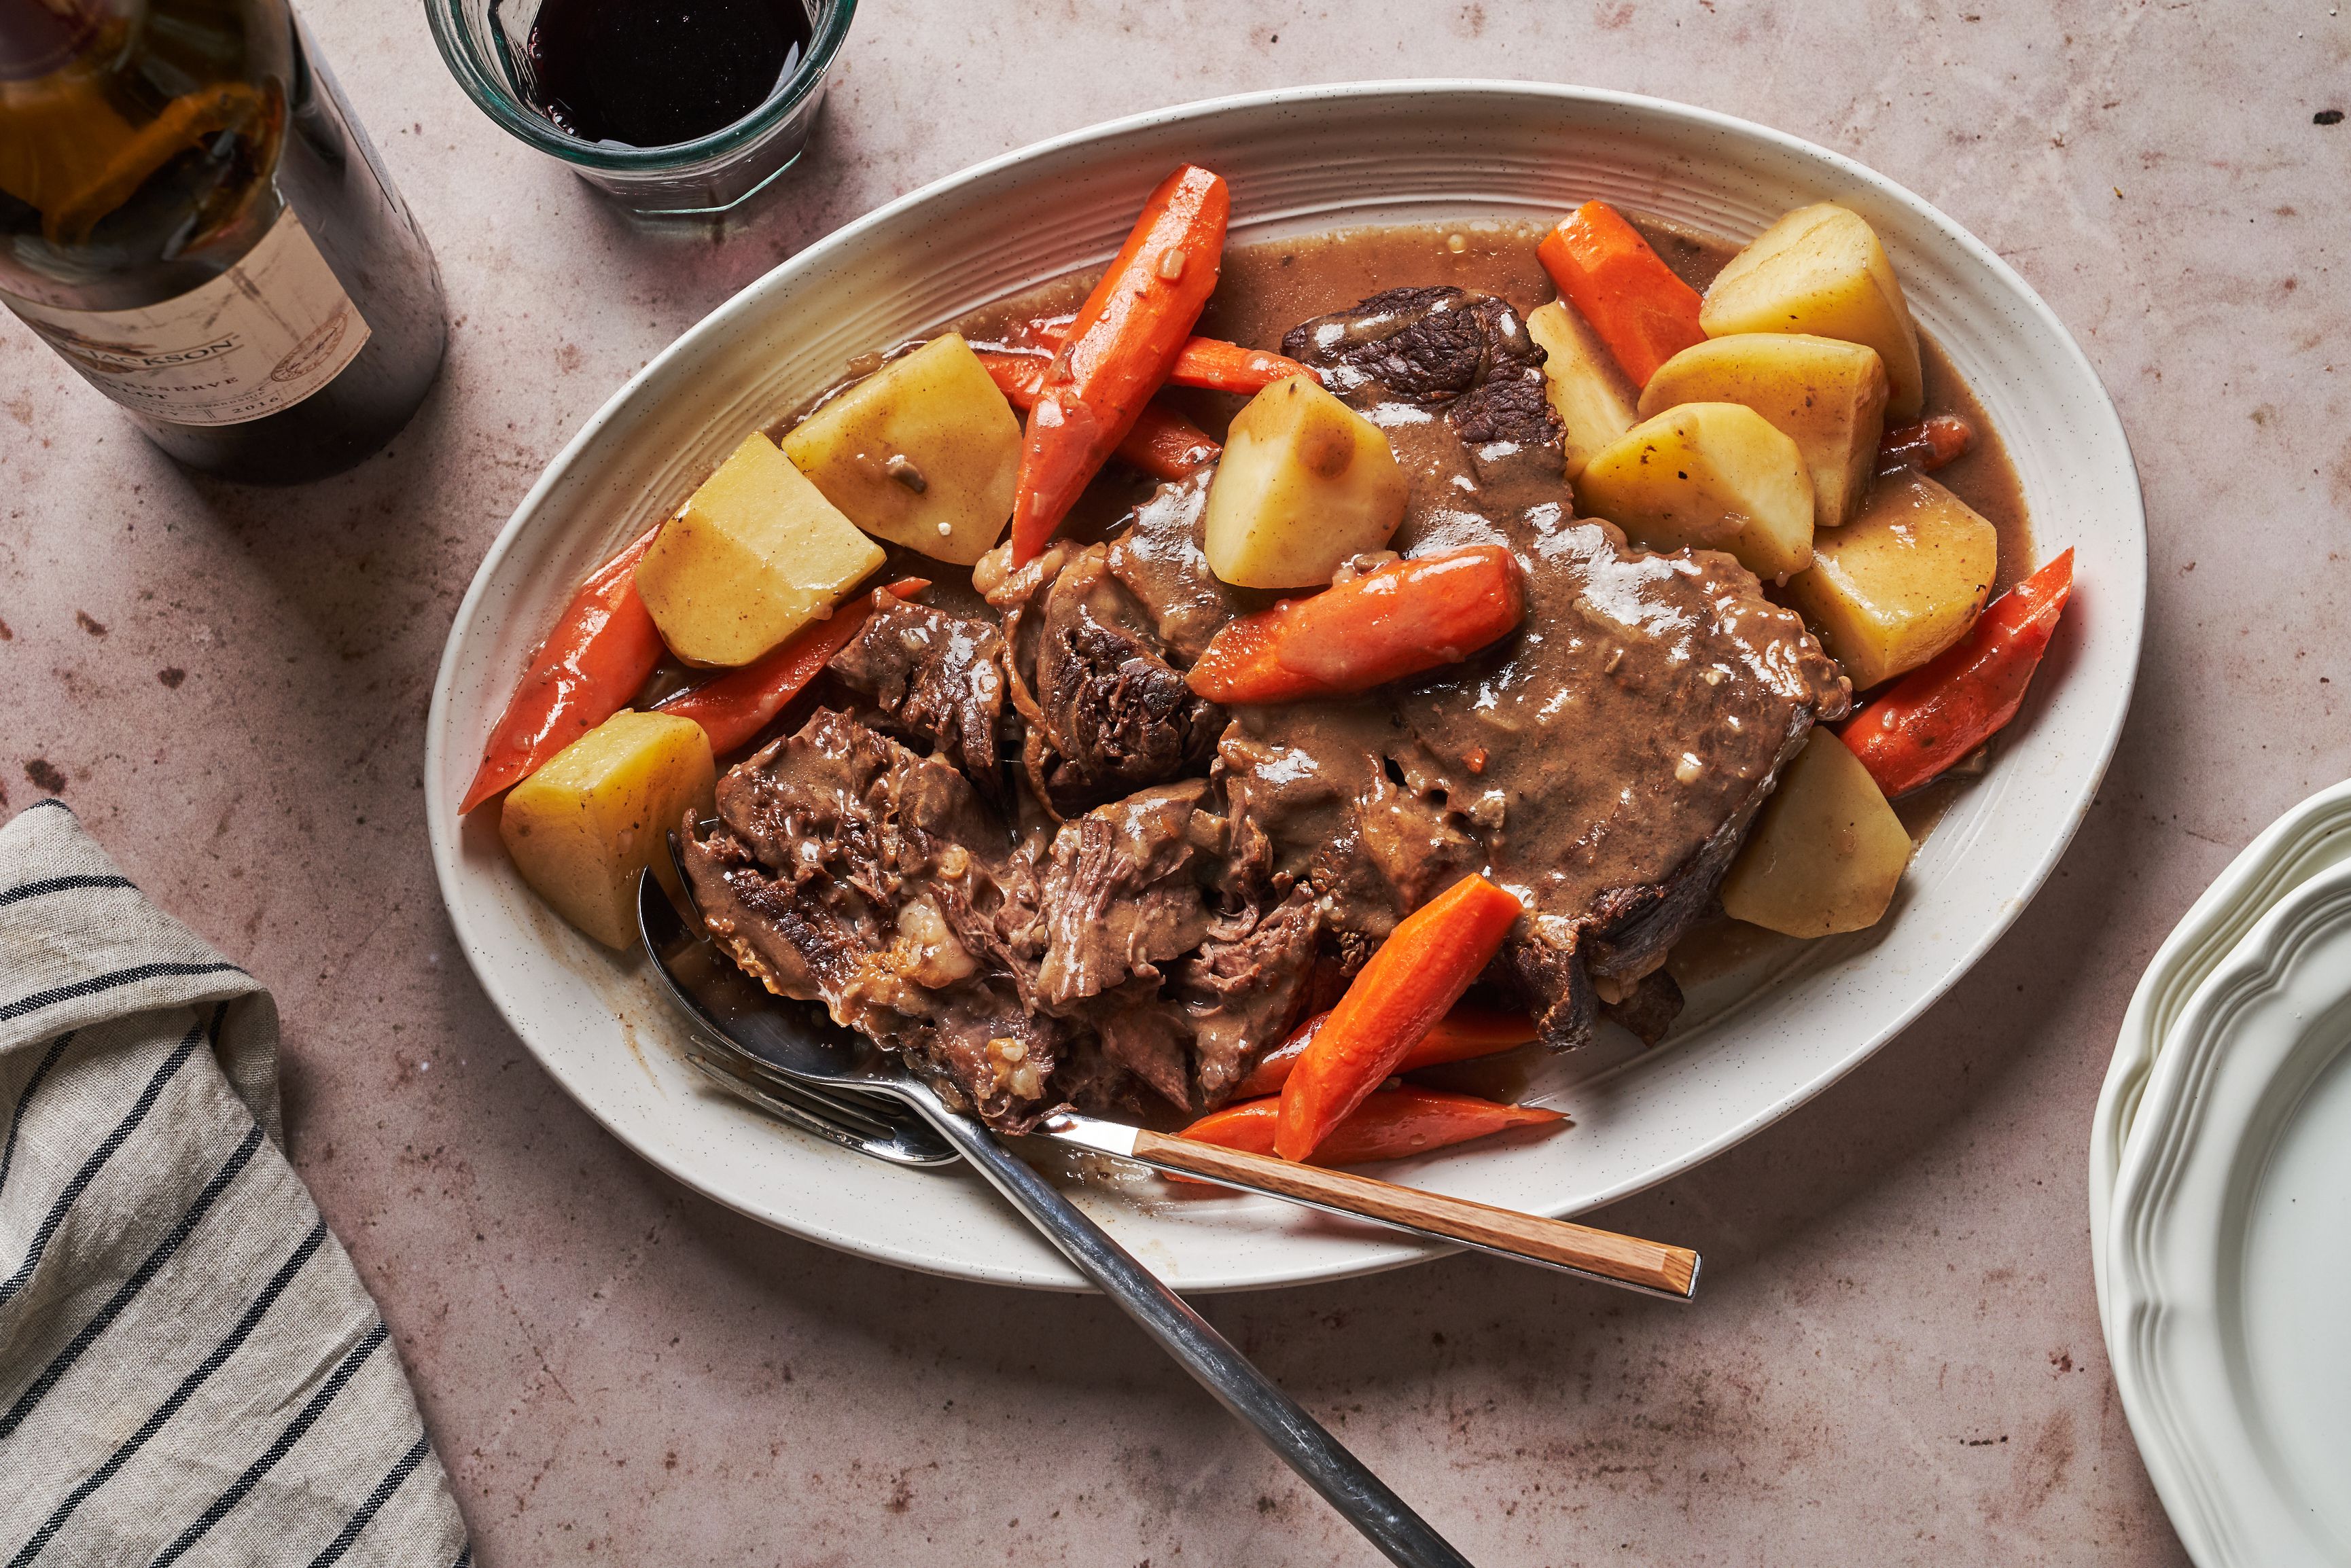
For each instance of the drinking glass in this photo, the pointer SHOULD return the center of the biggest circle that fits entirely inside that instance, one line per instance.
(485, 44)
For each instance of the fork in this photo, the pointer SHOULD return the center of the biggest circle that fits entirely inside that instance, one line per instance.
(869, 1126)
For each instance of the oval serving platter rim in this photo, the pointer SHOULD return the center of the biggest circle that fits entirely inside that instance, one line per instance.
(2121, 585)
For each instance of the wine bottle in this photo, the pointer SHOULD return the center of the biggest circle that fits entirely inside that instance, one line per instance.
(191, 217)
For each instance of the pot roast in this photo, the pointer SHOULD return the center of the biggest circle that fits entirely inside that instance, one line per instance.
(1021, 852)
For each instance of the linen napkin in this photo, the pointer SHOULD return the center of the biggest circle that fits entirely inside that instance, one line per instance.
(190, 1369)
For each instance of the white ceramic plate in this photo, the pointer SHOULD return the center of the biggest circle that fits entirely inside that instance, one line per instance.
(2307, 840)
(2228, 1260)
(1298, 160)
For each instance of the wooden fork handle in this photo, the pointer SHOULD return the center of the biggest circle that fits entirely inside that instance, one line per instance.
(1629, 1260)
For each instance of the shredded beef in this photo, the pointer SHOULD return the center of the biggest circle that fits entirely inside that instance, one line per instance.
(1120, 894)
(1241, 994)
(936, 676)
(847, 870)
(1109, 714)
(1439, 345)
(1142, 1037)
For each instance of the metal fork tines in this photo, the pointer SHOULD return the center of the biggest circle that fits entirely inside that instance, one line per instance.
(858, 1122)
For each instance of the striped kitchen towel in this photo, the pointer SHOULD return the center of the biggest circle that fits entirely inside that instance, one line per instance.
(189, 1370)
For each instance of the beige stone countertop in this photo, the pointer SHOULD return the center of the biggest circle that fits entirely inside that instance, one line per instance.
(1896, 1359)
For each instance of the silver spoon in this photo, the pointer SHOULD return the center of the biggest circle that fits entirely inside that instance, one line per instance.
(850, 1062)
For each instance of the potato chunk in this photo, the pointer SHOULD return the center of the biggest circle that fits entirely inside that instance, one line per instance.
(924, 453)
(1708, 475)
(757, 554)
(1827, 396)
(1586, 390)
(583, 827)
(1820, 270)
(1305, 484)
(1826, 852)
(1903, 581)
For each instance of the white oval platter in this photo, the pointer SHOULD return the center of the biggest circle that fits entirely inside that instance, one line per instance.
(1298, 160)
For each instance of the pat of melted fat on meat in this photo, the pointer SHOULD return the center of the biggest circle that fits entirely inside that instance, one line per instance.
(1035, 864)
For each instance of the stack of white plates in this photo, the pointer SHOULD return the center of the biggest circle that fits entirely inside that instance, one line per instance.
(2220, 1205)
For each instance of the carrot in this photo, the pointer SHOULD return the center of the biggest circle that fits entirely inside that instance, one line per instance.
(1414, 980)
(1925, 445)
(1388, 1124)
(733, 708)
(1458, 1036)
(599, 653)
(1166, 446)
(1642, 311)
(1120, 349)
(1162, 442)
(1943, 710)
(1219, 366)
(1210, 363)
(1396, 620)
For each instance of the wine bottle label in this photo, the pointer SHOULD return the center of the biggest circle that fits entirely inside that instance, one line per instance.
(260, 338)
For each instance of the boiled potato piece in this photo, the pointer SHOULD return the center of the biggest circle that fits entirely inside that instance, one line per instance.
(1820, 270)
(1826, 851)
(1708, 475)
(1827, 396)
(1305, 484)
(924, 453)
(1902, 583)
(584, 826)
(1587, 391)
(757, 554)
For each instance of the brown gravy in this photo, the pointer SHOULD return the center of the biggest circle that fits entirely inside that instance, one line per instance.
(1269, 285)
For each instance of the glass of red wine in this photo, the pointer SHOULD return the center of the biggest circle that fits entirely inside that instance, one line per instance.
(674, 108)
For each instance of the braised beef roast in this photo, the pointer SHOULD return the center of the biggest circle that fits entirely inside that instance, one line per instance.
(1035, 863)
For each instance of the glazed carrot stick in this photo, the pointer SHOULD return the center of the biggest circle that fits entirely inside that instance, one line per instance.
(736, 706)
(1396, 620)
(1211, 363)
(1460, 1035)
(1221, 366)
(1120, 349)
(1925, 445)
(1165, 445)
(1414, 980)
(1162, 443)
(1642, 311)
(1955, 701)
(599, 653)
(1388, 1124)
(1019, 377)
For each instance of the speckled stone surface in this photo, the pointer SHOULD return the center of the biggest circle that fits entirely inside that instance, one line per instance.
(1896, 1360)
